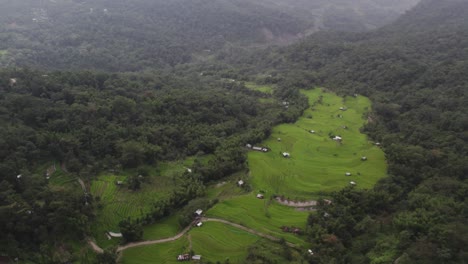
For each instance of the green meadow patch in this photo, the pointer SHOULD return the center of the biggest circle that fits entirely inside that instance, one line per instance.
(262, 215)
(167, 227)
(165, 253)
(219, 242)
(318, 164)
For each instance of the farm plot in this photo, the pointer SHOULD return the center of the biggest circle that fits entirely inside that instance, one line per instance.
(218, 242)
(264, 216)
(119, 203)
(318, 164)
(165, 253)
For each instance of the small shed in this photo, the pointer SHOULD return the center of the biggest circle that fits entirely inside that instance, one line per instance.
(196, 257)
(264, 149)
(312, 131)
(364, 158)
(240, 183)
(119, 182)
(198, 211)
(189, 170)
(337, 138)
(310, 252)
(343, 108)
(248, 146)
(260, 196)
(19, 176)
(348, 173)
(352, 183)
(183, 257)
(279, 139)
(199, 224)
(114, 234)
(377, 144)
(286, 154)
(258, 148)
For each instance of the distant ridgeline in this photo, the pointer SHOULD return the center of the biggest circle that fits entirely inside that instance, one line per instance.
(134, 35)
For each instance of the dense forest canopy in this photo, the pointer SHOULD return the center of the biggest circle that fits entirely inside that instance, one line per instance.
(135, 35)
(414, 70)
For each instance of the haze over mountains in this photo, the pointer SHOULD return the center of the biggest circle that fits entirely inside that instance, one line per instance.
(140, 34)
(193, 64)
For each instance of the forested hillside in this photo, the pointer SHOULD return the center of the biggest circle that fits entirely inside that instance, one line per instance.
(87, 122)
(142, 34)
(414, 70)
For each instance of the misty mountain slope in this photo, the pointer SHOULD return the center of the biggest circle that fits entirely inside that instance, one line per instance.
(140, 34)
(131, 35)
(414, 70)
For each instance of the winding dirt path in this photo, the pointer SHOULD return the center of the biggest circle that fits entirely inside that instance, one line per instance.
(97, 249)
(152, 242)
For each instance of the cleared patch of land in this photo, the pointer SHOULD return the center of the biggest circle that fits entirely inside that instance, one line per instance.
(117, 202)
(165, 253)
(318, 164)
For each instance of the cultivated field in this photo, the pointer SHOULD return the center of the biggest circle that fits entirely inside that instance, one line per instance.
(165, 253)
(214, 241)
(318, 164)
(119, 203)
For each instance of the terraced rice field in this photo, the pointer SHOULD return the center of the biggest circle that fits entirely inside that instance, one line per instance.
(318, 164)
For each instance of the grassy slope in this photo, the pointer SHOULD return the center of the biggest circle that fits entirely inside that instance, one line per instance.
(120, 203)
(160, 253)
(260, 215)
(313, 169)
(217, 242)
(318, 164)
(214, 241)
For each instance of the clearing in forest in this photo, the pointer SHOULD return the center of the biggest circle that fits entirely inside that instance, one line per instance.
(318, 164)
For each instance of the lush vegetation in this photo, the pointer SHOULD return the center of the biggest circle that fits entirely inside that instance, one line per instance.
(317, 164)
(99, 127)
(413, 72)
(136, 35)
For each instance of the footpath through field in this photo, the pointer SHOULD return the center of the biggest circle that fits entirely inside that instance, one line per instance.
(97, 249)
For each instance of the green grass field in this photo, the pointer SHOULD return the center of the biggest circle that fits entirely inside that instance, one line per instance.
(262, 215)
(218, 242)
(165, 253)
(214, 241)
(167, 227)
(318, 164)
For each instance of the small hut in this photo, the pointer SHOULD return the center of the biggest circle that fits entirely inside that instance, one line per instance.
(286, 154)
(260, 196)
(364, 158)
(348, 173)
(240, 183)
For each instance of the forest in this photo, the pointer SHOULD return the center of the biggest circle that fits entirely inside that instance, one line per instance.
(167, 103)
